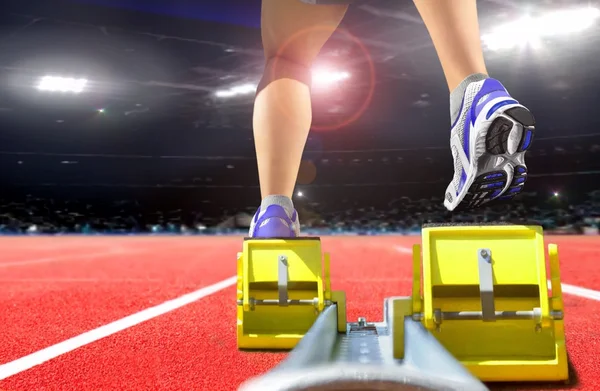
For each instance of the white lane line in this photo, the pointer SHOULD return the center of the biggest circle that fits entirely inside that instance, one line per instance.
(404, 250)
(41, 356)
(566, 288)
(581, 292)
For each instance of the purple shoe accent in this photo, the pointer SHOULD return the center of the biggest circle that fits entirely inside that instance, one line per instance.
(489, 86)
(492, 95)
(278, 223)
(498, 105)
(463, 181)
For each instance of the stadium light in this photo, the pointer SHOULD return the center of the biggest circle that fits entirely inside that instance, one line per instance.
(299, 194)
(243, 89)
(529, 31)
(61, 84)
(324, 77)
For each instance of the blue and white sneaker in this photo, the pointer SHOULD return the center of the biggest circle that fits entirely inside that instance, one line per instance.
(488, 141)
(274, 222)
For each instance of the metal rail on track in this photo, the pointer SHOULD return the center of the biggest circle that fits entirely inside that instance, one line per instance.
(362, 359)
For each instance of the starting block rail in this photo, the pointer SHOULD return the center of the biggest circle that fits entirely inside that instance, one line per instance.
(362, 357)
(480, 311)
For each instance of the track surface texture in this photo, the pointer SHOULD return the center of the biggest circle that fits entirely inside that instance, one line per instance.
(158, 313)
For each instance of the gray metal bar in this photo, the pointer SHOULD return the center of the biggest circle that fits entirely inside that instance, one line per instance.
(352, 376)
(423, 351)
(477, 315)
(325, 360)
(286, 303)
(282, 280)
(316, 365)
(316, 347)
(486, 285)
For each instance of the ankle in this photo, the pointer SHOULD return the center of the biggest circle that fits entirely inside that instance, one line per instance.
(457, 95)
(284, 201)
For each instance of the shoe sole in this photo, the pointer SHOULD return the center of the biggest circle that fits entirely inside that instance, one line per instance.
(501, 169)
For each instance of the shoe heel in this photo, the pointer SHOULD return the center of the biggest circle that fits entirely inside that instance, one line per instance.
(497, 138)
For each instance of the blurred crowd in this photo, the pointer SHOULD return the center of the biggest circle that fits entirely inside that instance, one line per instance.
(407, 216)
(35, 215)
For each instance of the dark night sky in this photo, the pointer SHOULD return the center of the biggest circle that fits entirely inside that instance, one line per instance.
(239, 12)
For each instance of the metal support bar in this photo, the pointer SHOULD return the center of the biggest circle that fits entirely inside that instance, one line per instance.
(478, 315)
(314, 302)
(486, 285)
(282, 280)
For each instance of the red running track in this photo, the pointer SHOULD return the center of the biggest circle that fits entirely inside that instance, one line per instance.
(58, 288)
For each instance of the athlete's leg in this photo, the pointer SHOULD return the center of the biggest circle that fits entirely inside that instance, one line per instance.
(454, 29)
(490, 130)
(293, 34)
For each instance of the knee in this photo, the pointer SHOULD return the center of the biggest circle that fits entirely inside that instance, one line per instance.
(282, 67)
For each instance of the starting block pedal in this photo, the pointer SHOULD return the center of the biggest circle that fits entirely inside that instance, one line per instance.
(283, 285)
(485, 298)
(480, 311)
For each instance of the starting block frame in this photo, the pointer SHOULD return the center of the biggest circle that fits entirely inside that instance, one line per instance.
(488, 301)
(479, 310)
(281, 290)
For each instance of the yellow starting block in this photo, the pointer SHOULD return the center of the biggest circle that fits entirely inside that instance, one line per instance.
(283, 286)
(480, 311)
(485, 298)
